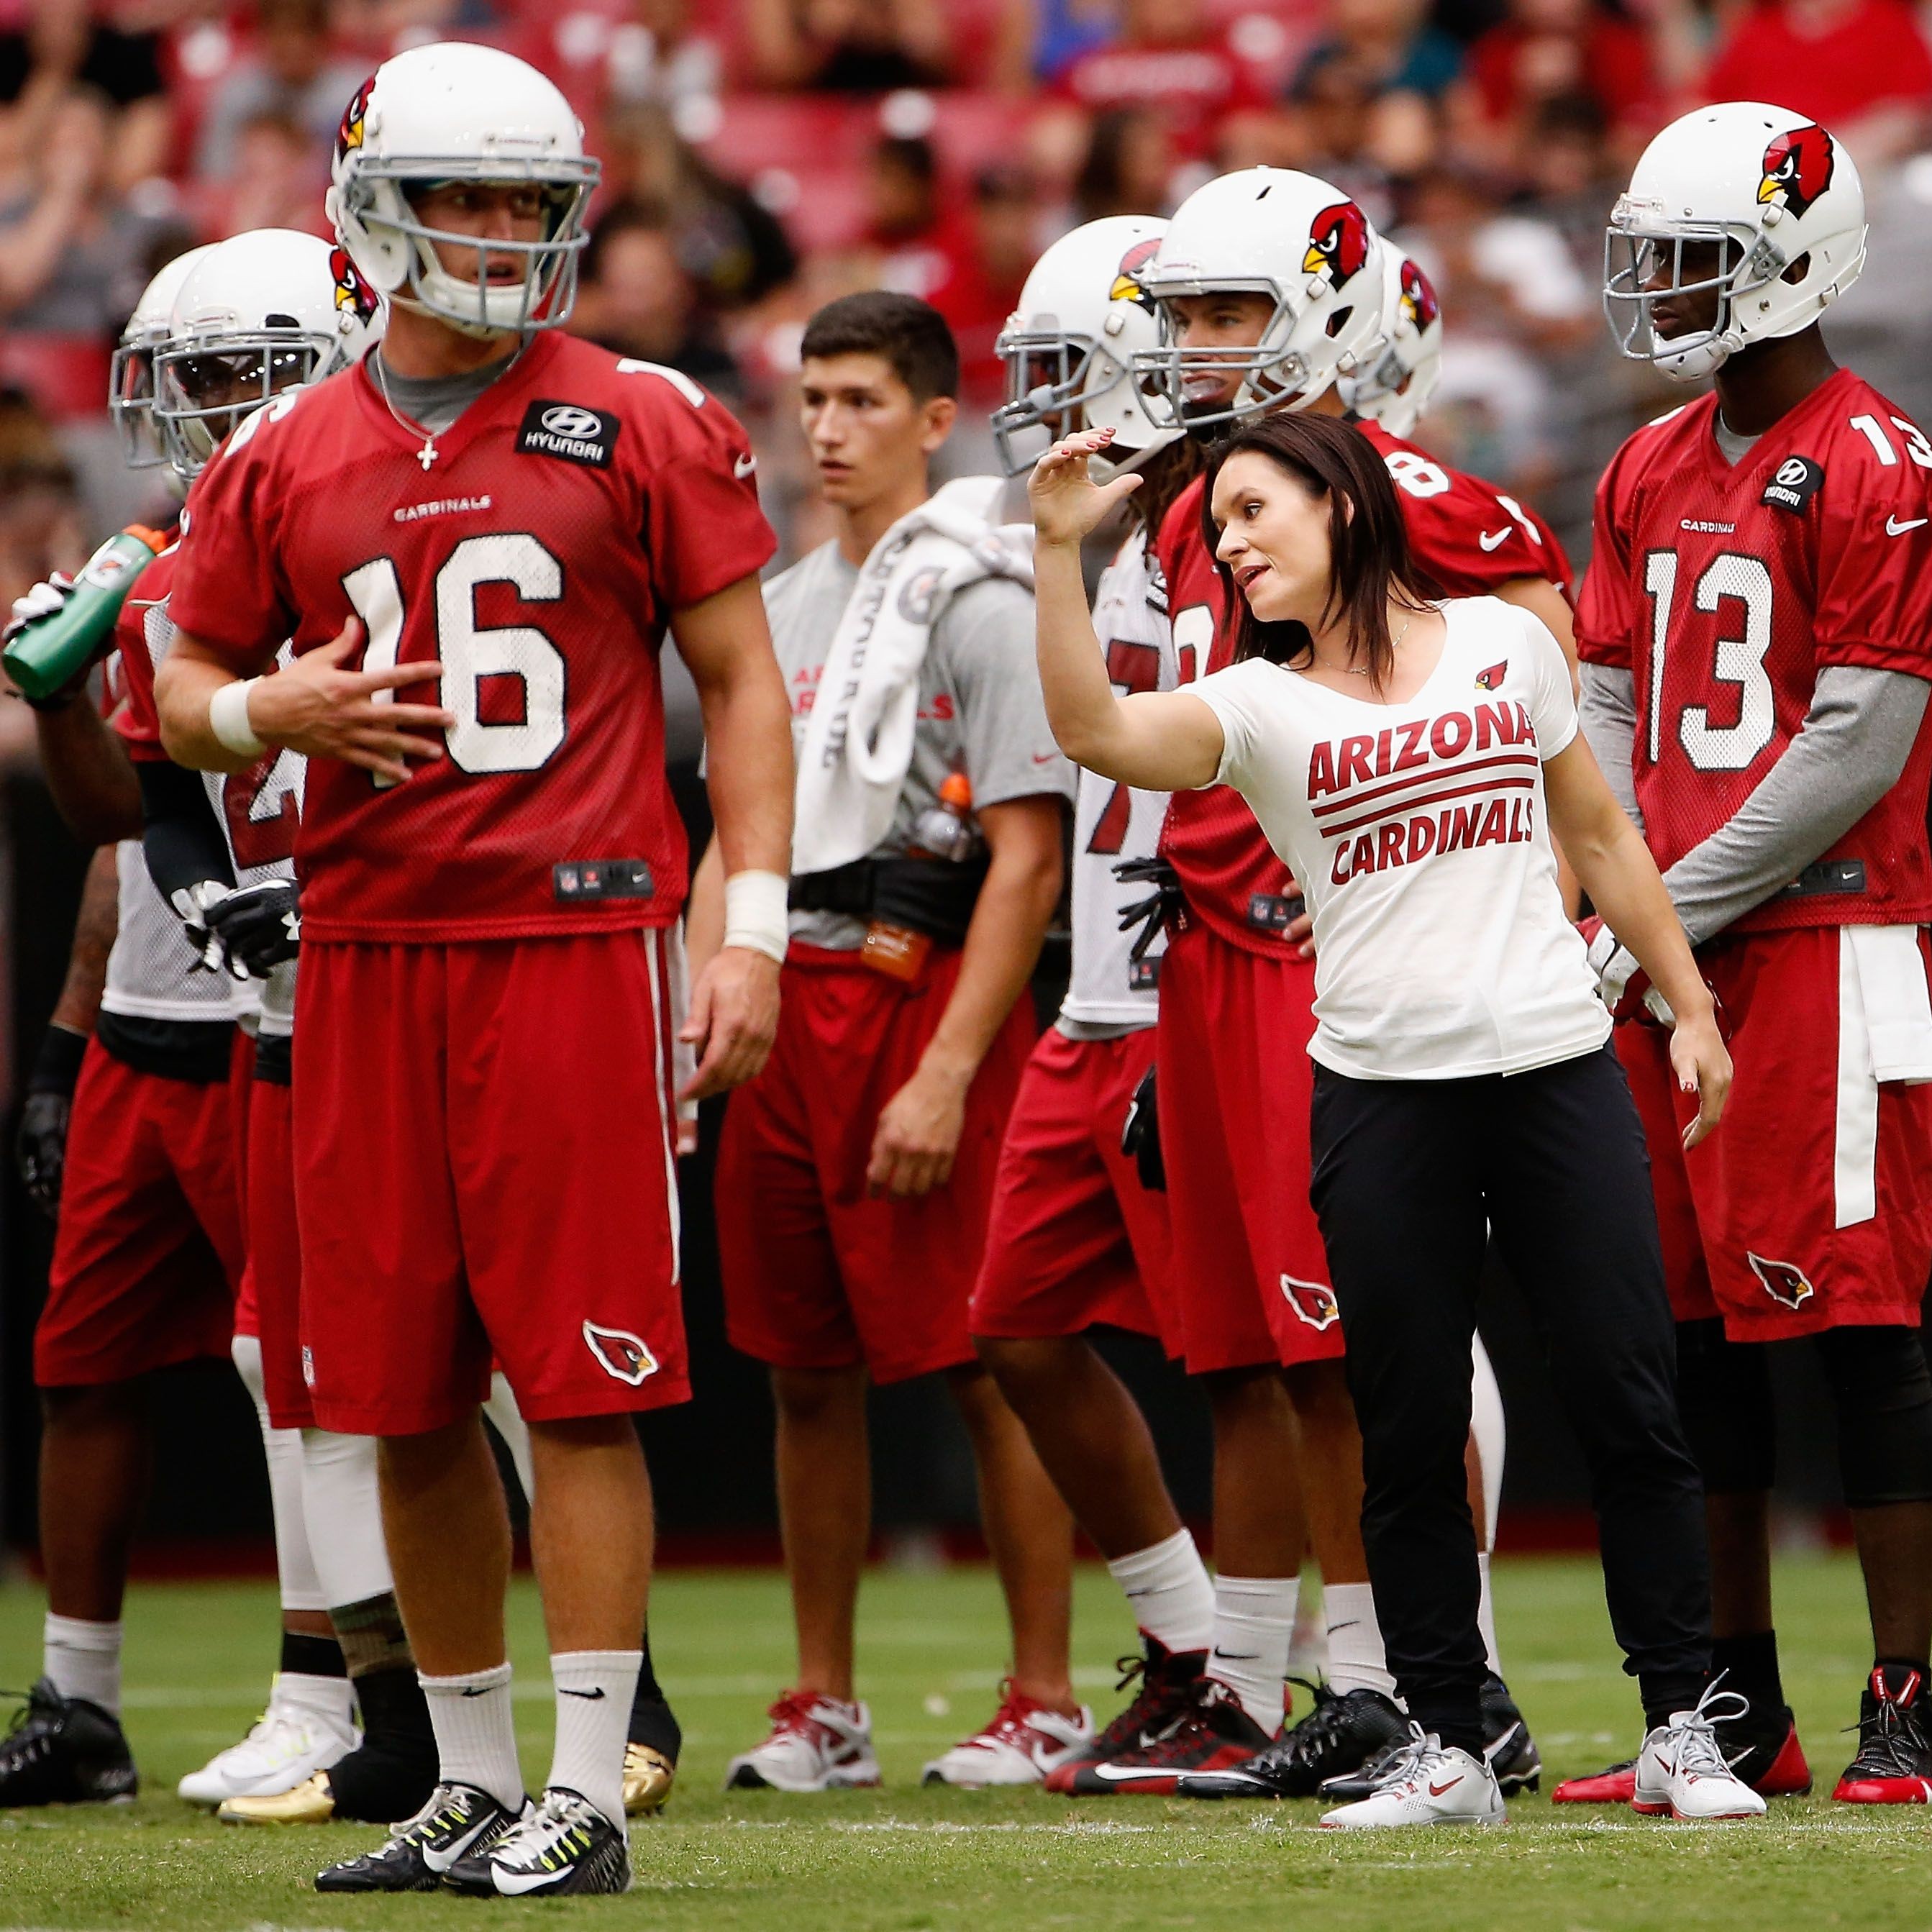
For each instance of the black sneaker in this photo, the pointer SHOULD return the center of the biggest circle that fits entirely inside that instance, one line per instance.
(1334, 1740)
(1506, 1743)
(1167, 1678)
(1894, 1765)
(564, 1847)
(1208, 1731)
(64, 1750)
(457, 1819)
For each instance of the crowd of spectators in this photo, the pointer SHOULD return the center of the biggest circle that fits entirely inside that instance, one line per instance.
(760, 156)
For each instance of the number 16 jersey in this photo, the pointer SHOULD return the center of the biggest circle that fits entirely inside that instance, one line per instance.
(1725, 589)
(577, 503)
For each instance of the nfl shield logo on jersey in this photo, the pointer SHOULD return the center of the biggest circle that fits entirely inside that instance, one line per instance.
(1783, 1282)
(1312, 1303)
(620, 1353)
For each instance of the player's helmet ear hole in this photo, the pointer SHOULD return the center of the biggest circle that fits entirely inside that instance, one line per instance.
(1339, 321)
(1798, 269)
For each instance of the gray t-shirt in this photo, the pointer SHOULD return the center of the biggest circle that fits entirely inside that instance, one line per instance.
(980, 709)
(435, 402)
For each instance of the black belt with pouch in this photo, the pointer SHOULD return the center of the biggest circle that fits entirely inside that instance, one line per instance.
(934, 896)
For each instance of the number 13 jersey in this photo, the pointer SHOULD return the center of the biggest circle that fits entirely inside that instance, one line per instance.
(1726, 590)
(577, 503)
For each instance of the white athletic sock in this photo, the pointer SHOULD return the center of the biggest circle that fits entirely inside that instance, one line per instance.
(83, 1659)
(1254, 1620)
(1356, 1659)
(1486, 1613)
(1168, 1588)
(332, 1699)
(344, 1515)
(475, 1734)
(594, 1690)
(295, 1559)
(1308, 1648)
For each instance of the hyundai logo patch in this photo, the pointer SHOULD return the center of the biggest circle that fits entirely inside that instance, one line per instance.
(568, 431)
(1796, 483)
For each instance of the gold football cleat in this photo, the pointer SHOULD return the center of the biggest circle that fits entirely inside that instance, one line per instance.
(648, 1776)
(310, 1803)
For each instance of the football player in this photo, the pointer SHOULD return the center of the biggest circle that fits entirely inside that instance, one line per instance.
(1754, 629)
(927, 864)
(1272, 287)
(510, 519)
(1079, 1236)
(128, 1137)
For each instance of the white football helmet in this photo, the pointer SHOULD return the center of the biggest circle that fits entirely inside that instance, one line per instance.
(261, 313)
(1069, 348)
(452, 112)
(1773, 191)
(1298, 240)
(1395, 389)
(130, 377)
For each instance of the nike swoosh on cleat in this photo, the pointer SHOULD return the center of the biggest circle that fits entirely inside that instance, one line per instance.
(589, 1697)
(1239, 1656)
(1437, 1790)
(441, 1861)
(1131, 1774)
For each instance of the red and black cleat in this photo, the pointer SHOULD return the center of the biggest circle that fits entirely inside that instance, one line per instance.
(1765, 1753)
(1209, 1732)
(1167, 1678)
(1894, 1765)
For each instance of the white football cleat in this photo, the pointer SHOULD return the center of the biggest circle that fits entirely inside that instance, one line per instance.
(817, 1744)
(1425, 1782)
(1682, 1772)
(292, 1739)
(1023, 1742)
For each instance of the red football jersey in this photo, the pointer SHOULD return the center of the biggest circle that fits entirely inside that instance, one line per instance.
(569, 511)
(1726, 590)
(1469, 537)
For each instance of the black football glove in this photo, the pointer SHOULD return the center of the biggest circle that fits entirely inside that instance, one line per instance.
(41, 1148)
(1140, 1137)
(257, 927)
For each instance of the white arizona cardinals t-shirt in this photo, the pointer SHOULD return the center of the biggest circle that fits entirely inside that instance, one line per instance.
(1418, 835)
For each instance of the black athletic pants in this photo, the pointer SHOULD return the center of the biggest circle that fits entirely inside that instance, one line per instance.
(1411, 1179)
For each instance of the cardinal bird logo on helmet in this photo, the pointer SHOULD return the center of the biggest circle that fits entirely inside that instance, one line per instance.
(620, 1353)
(353, 295)
(1418, 298)
(1798, 168)
(1312, 1302)
(1338, 243)
(1127, 284)
(350, 134)
(1783, 1281)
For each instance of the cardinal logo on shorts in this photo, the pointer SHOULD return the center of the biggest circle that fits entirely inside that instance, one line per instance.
(1785, 1283)
(1491, 680)
(1312, 1302)
(619, 1353)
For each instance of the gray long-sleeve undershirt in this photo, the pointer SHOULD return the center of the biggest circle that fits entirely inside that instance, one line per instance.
(1847, 754)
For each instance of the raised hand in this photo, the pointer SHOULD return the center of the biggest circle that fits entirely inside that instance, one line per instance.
(1067, 505)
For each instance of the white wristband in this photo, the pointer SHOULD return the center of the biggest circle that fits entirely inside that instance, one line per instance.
(228, 719)
(754, 913)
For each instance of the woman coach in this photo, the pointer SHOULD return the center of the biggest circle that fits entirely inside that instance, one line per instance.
(1401, 754)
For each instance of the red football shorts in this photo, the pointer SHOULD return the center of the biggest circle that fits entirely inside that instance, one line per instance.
(1074, 1239)
(484, 1160)
(1811, 1207)
(148, 1251)
(819, 1273)
(1235, 1084)
(275, 1256)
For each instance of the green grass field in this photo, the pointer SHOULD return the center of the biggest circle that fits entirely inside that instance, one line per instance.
(199, 1657)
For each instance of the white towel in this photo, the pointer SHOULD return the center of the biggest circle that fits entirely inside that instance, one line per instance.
(858, 739)
(1883, 970)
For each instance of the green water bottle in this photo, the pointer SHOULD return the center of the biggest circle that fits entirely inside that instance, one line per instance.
(52, 651)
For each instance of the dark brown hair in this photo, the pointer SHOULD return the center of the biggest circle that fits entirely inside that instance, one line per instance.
(1164, 475)
(911, 335)
(1370, 560)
